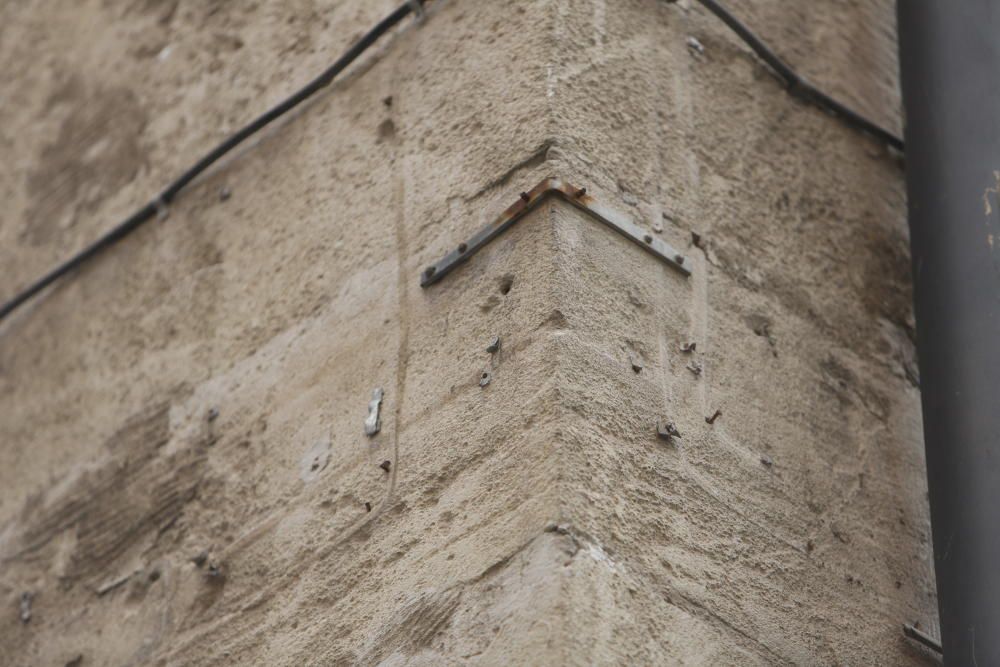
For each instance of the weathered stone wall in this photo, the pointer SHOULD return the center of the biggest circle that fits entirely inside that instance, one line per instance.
(183, 470)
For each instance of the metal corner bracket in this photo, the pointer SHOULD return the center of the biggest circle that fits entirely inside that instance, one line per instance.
(528, 201)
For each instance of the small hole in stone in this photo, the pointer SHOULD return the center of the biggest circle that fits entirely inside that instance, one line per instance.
(647, 238)
(154, 575)
(485, 375)
(506, 283)
(462, 247)
(315, 466)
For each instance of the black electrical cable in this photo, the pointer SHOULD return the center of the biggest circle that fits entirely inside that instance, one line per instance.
(159, 203)
(797, 85)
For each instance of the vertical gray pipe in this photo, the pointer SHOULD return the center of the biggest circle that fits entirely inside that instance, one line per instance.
(950, 66)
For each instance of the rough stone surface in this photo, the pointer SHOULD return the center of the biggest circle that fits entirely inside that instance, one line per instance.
(184, 475)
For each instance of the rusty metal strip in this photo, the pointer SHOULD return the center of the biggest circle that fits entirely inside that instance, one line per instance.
(529, 201)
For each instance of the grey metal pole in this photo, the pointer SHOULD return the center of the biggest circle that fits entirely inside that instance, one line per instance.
(950, 66)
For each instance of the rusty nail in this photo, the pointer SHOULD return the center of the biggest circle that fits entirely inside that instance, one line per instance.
(385, 465)
(715, 415)
(581, 192)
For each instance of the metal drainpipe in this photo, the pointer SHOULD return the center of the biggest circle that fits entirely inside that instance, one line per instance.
(950, 67)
